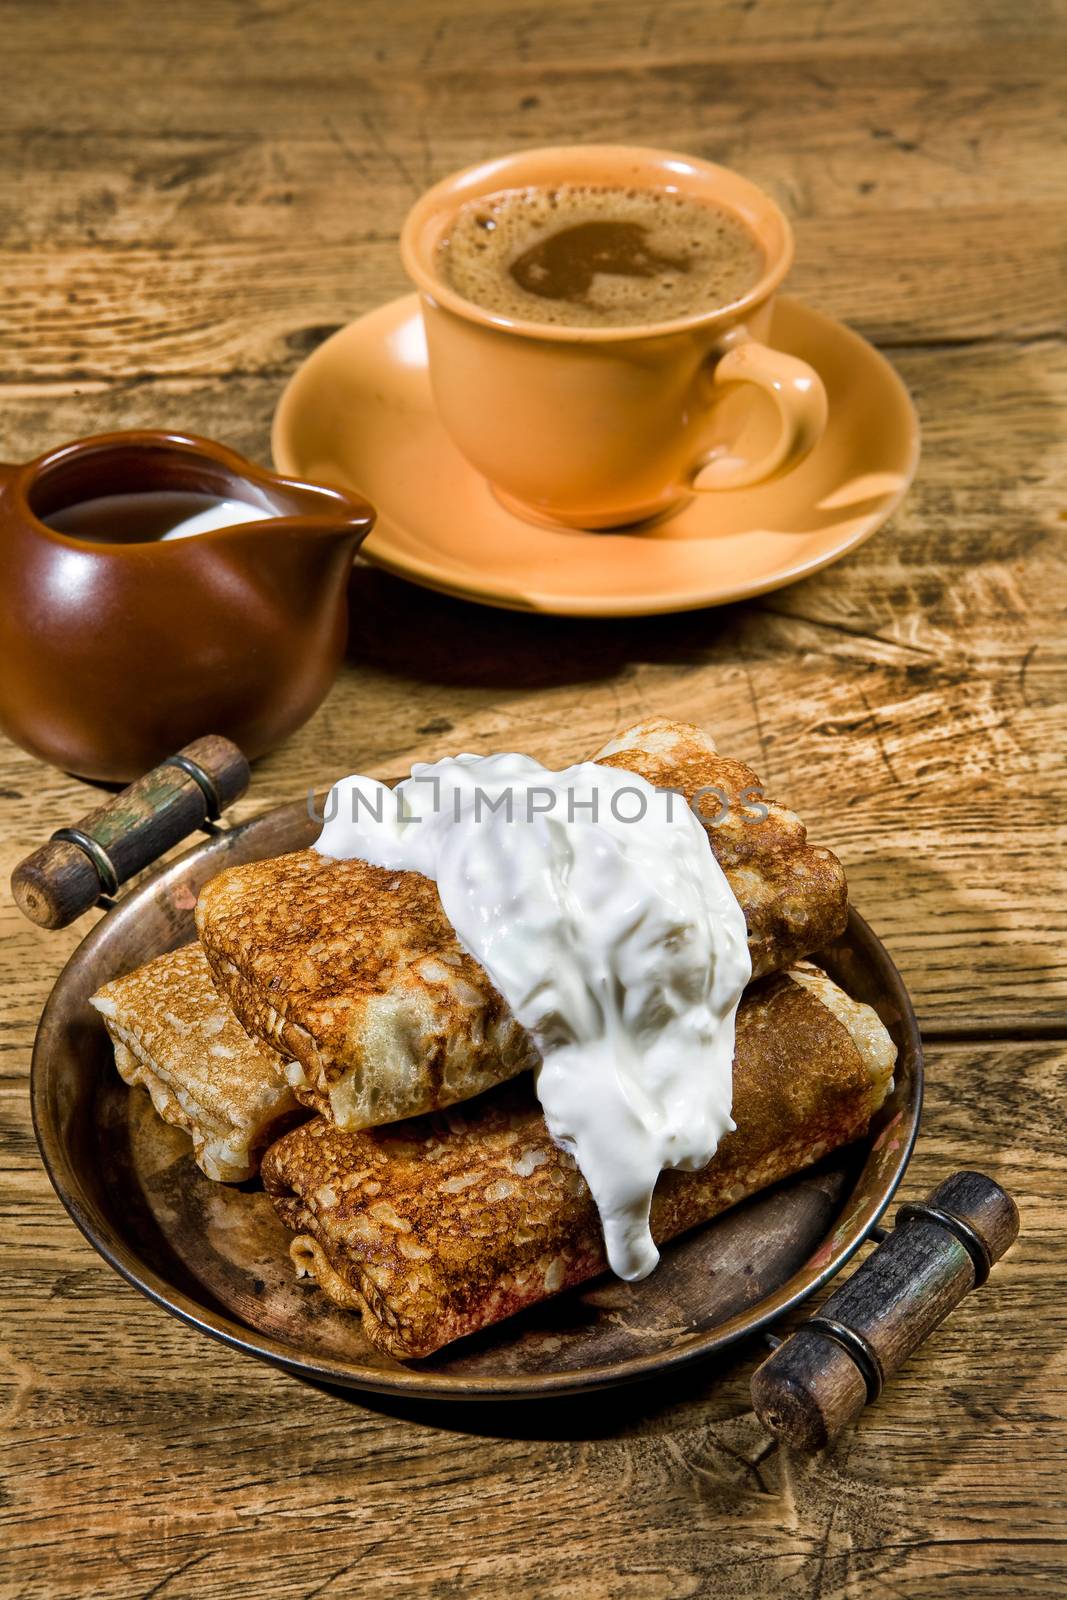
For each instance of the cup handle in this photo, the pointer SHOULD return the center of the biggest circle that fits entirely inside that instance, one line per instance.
(799, 395)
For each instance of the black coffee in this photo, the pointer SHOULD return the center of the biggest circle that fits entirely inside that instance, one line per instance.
(582, 255)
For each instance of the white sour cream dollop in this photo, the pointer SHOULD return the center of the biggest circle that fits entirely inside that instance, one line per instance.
(596, 906)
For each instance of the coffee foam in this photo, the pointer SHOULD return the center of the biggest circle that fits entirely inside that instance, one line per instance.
(704, 256)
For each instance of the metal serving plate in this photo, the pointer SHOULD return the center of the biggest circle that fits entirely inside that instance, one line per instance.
(217, 1256)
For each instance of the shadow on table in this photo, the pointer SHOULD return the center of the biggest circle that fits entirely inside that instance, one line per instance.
(414, 633)
(719, 1389)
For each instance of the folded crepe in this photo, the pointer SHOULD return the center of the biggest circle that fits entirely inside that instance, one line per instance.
(173, 1034)
(793, 894)
(447, 1224)
(355, 974)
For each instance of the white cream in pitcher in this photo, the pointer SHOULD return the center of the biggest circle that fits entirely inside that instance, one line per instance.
(596, 906)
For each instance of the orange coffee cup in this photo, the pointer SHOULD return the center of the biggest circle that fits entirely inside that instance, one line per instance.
(599, 427)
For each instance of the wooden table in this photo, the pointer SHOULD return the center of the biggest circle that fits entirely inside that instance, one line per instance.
(192, 196)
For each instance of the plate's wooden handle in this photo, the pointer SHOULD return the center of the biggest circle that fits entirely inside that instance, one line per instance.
(822, 1376)
(110, 845)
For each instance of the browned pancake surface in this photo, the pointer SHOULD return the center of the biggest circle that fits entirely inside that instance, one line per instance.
(356, 973)
(446, 1224)
(174, 1034)
(793, 894)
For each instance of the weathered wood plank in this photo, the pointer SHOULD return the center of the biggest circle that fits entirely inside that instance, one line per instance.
(899, 177)
(190, 196)
(314, 42)
(909, 701)
(112, 313)
(659, 1491)
(919, 136)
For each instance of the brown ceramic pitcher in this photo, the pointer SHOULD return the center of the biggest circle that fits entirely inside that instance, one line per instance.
(116, 650)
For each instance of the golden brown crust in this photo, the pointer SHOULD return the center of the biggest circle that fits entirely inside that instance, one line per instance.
(173, 1034)
(443, 1225)
(793, 894)
(356, 974)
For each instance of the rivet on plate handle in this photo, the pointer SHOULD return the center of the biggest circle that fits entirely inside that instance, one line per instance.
(821, 1376)
(110, 845)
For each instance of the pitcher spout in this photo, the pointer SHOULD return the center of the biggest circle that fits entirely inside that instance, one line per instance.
(302, 526)
(330, 514)
(302, 548)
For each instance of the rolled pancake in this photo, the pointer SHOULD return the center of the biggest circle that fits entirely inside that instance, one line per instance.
(793, 894)
(173, 1034)
(355, 974)
(447, 1224)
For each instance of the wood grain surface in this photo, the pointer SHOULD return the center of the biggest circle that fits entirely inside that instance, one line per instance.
(191, 197)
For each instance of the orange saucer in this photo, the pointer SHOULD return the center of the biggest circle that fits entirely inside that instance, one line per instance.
(359, 415)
